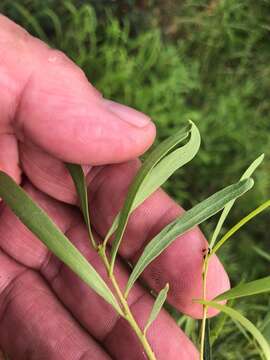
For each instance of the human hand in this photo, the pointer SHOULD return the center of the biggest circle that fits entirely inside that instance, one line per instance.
(50, 114)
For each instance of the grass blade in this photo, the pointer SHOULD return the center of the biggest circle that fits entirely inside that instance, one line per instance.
(251, 288)
(159, 302)
(187, 221)
(247, 174)
(155, 156)
(36, 220)
(247, 324)
(78, 178)
(241, 223)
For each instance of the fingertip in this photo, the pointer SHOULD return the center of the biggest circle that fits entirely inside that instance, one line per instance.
(128, 114)
(129, 132)
(186, 275)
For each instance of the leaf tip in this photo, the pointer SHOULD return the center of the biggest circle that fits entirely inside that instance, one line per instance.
(191, 123)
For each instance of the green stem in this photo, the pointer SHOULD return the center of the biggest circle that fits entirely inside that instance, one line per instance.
(232, 231)
(205, 308)
(127, 314)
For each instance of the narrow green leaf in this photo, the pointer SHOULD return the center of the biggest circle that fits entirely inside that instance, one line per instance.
(246, 289)
(247, 324)
(187, 221)
(168, 165)
(159, 302)
(163, 170)
(155, 156)
(247, 174)
(241, 223)
(37, 221)
(78, 178)
(207, 350)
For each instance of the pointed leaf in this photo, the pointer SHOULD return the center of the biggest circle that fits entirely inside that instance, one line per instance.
(163, 170)
(168, 165)
(247, 324)
(159, 302)
(36, 220)
(247, 174)
(187, 221)
(251, 288)
(240, 224)
(155, 156)
(78, 178)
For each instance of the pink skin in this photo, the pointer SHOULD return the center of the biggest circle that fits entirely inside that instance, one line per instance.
(50, 113)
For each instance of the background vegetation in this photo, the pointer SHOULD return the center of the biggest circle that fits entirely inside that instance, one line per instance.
(208, 61)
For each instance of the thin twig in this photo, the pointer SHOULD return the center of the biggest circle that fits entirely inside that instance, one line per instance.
(125, 307)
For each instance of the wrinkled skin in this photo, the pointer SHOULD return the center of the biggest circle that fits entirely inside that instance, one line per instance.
(50, 113)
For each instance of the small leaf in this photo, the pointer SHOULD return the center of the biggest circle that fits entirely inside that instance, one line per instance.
(247, 174)
(187, 221)
(168, 165)
(247, 324)
(37, 221)
(207, 350)
(163, 170)
(241, 223)
(78, 178)
(155, 156)
(246, 289)
(159, 302)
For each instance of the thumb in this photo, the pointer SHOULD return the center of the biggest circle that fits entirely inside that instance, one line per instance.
(46, 101)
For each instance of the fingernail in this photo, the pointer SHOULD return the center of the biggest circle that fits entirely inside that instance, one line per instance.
(128, 114)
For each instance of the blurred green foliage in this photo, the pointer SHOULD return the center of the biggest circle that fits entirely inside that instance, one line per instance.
(208, 61)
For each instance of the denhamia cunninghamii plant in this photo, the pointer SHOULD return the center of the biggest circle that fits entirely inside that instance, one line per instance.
(159, 165)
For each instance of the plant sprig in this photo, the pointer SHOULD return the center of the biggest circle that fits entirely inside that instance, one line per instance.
(162, 162)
